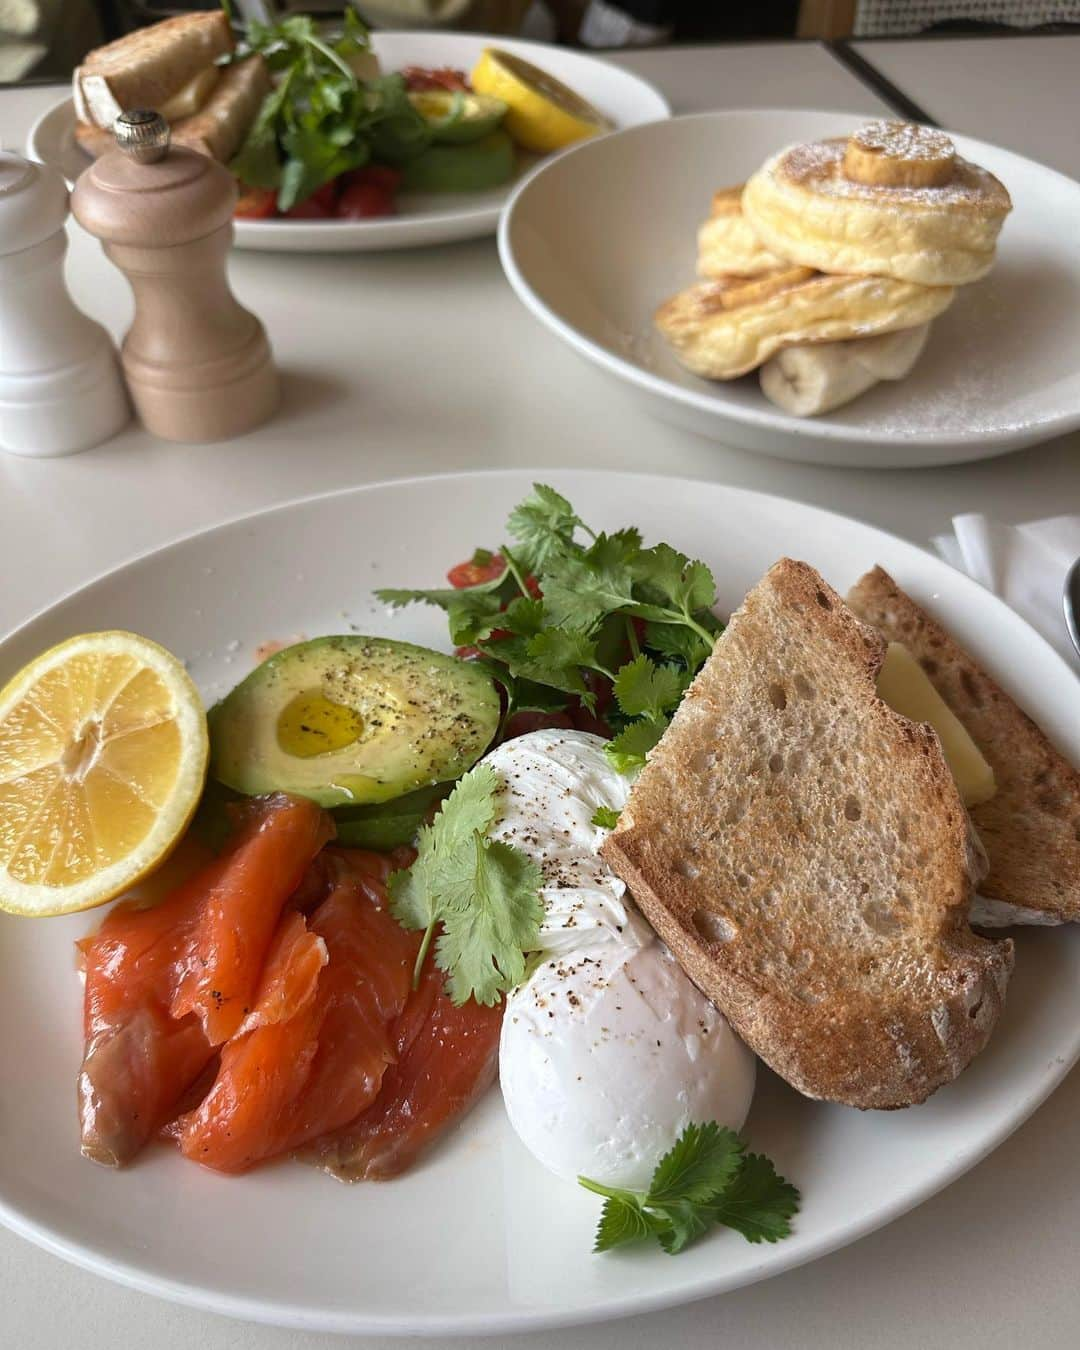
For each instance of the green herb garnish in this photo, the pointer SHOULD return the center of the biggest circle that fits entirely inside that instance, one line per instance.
(576, 613)
(706, 1179)
(605, 817)
(483, 892)
(321, 120)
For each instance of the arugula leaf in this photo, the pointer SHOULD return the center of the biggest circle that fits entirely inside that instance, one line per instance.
(544, 521)
(703, 1180)
(627, 751)
(644, 688)
(320, 120)
(484, 893)
(758, 1203)
(606, 817)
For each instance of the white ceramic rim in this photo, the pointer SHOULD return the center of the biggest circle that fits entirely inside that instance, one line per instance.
(766, 417)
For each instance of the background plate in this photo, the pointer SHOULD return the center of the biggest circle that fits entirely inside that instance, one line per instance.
(595, 240)
(424, 218)
(479, 1238)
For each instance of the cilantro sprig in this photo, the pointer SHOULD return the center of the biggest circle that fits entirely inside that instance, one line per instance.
(569, 614)
(707, 1178)
(482, 892)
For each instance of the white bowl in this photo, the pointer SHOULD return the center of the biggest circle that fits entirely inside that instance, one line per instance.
(595, 240)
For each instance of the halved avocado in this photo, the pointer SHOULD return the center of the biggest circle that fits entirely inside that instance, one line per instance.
(352, 719)
(454, 117)
(481, 164)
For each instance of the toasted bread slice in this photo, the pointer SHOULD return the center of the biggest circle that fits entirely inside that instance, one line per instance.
(803, 851)
(1030, 828)
(219, 128)
(146, 68)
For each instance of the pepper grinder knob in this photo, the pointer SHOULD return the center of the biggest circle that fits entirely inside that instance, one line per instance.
(142, 134)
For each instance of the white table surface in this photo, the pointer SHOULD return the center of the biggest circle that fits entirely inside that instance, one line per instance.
(416, 362)
(1020, 92)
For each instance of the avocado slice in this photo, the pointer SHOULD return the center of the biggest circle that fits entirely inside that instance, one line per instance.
(352, 720)
(481, 164)
(456, 118)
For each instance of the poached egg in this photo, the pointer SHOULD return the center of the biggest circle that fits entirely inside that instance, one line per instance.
(608, 1050)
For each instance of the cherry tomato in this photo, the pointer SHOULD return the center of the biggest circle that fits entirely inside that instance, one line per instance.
(473, 573)
(382, 175)
(421, 79)
(586, 721)
(318, 206)
(255, 203)
(523, 722)
(363, 201)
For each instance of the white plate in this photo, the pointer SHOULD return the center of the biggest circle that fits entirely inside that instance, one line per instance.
(479, 1238)
(424, 218)
(594, 242)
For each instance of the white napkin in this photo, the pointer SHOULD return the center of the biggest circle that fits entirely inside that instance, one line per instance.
(1024, 564)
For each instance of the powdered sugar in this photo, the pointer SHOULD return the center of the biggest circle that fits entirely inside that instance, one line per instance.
(904, 140)
(819, 168)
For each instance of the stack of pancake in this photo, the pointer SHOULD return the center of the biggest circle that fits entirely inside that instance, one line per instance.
(825, 270)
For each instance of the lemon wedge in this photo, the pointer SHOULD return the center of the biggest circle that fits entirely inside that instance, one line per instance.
(103, 751)
(543, 114)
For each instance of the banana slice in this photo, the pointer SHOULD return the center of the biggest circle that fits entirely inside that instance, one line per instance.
(810, 380)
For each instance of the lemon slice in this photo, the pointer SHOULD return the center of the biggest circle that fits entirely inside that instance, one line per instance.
(103, 750)
(544, 115)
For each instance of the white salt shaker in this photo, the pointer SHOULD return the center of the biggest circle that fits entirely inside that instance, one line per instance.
(60, 384)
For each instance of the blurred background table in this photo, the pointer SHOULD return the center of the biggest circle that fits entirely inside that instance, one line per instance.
(374, 390)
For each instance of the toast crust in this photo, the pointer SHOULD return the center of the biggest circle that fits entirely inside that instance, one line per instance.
(803, 851)
(1030, 828)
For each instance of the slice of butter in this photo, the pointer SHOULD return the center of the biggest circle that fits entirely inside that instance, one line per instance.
(96, 103)
(903, 685)
(186, 102)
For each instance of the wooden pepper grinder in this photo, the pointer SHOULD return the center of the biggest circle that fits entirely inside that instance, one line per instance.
(197, 363)
(60, 385)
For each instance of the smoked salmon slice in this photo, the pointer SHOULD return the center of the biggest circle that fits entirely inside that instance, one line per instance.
(447, 1057)
(239, 913)
(152, 975)
(305, 1063)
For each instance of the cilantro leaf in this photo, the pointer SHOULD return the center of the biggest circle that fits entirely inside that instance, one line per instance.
(605, 817)
(642, 688)
(681, 643)
(701, 1162)
(578, 593)
(489, 922)
(628, 749)
(544, 521)
(622, 1221)
(609, 550)
(758, 1203)
(686, 585)
(484, 893)
(469, 809)
(439, 595)
(683, 1222)
(704, 1179)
